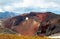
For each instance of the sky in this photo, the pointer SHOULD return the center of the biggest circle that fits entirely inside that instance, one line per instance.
(26, 6)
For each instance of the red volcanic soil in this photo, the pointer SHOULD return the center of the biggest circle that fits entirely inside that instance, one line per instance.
(37, 21)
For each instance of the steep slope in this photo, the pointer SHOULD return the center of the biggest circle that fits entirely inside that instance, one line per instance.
(35, 23)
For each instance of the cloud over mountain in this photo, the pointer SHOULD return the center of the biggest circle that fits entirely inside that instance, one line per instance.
(21, 6)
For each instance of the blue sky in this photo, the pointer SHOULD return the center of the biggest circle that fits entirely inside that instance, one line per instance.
(25, 6)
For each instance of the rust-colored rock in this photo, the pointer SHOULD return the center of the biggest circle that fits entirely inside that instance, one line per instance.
(34, 23)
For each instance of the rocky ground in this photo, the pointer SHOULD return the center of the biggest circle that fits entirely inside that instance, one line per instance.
(5, 30)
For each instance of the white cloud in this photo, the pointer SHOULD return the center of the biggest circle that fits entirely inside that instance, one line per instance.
(36, 3)
(25, 3)
(8, 8)
(41, 4)
(1, 10)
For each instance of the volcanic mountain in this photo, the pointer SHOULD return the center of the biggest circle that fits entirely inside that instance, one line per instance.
(34, 23)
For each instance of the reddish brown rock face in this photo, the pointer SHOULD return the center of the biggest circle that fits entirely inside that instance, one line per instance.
(28, 27)
(28, 24)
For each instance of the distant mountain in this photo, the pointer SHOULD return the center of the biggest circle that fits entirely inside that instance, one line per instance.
(5, 15)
